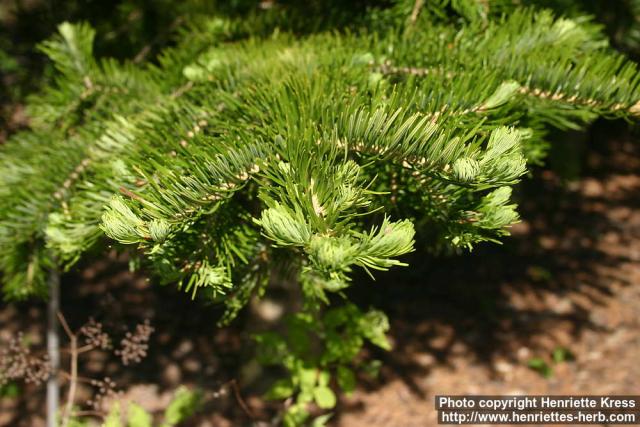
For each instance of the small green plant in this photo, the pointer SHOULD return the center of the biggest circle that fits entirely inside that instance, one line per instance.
(317, 353)
(562, 354)
(9, 390)
(541, 366)
(183, 406)
(544, 368)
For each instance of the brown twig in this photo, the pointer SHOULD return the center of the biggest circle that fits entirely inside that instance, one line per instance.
(416, 11)
(142, 54)
(238, 396)
(73, 375)
(277, 420)
(85, 348)
(130, 194)
(394, 187)
(80, 350)
(181, 90)
(65, 325)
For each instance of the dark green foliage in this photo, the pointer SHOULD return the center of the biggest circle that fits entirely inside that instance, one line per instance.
(620, 18)
(136, 29)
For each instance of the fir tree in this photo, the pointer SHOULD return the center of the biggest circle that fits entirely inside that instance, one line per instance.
(273, 141)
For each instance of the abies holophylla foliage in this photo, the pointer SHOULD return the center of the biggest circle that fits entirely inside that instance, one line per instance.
(252, 147)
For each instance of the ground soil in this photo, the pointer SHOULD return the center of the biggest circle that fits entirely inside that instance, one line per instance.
(567, 280)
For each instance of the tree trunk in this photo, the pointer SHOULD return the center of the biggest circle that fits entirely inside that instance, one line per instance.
(53, 348)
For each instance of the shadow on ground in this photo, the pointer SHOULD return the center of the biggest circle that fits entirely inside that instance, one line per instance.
(565, 273)
(561, 275)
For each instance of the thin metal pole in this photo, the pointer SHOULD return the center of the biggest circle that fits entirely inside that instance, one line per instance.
(53, 348)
